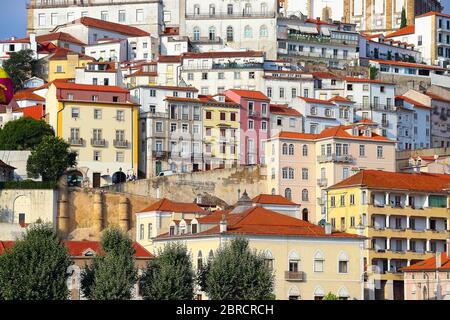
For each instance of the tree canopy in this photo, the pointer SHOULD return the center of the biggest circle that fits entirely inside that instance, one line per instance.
(50, 159)
(36, 267)
(112, 275)
(22, 66)
(169, 276)
(24, 134)
(237, 273)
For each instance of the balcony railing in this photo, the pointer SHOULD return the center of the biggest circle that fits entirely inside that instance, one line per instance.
(98, 142)
(254, 114)
(295, 276)
(321, 40)
(206, 40)
(373, 106)
(335, 158)
(322, 182)
(121, 143)
(235, 65)
(233, 15)
(76, 142)
(161, 154)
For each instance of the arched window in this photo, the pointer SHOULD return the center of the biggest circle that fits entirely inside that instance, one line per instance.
(196, 33)
(248, 32)
(288, 193)
(294, 293)
(319, 261)
(294, 262)
(305, 150)
(319, 293)
(263, 31)
(285, 173)
(305, 196)
(141, 232)
(268, 259)
(211, 255)
(285, 148)
(230, 9)
(199, 260)
(248, 9)
(343, 262)
(343, 293)
(291, 149)
(196, 9)
(273, 191)
(288, 173)
(230, 34)
(273, 173)
(263, 8)
(212, 10)
(212, 33)
(291, 173)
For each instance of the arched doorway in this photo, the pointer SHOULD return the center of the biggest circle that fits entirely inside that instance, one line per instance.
(425, 293)
(119, 177)
(305, 215)
(74, 179)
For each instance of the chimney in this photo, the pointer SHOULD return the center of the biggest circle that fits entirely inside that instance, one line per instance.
(223, 224)
(448, 248)
(328, 228)
(438, 260)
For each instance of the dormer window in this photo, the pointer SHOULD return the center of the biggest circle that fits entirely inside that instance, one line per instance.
(172, 231)
(355, 131)
(194, 228)
(367, 133)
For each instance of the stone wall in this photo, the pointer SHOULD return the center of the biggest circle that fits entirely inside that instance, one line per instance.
(222, 183)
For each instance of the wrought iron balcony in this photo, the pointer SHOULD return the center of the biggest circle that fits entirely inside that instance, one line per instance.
(335, 158)
(98, 142)
(76, 142)
(295, 276)
(322, 182)
(232, 15)
(121, 143)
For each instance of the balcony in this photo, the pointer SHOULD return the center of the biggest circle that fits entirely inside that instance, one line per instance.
(385, 123)
(76, 142)
(207, 40)
(123, 144)
(335, 158)
(320, 201)
(254, 114)
(374, 107)
(299, 276)
(235, 65)
(233, 15)
(320, 40)
(161, 154)
(98, 142)
(322, 182)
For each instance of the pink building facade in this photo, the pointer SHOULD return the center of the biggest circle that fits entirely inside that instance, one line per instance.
(255, 122)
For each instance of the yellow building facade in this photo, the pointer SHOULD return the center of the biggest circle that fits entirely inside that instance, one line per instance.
(221, 133)
(405, 218)
(101, 126)
(63, 64)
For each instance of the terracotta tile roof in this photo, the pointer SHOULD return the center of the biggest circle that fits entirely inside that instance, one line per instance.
(407, 64)
(223, 54)
(325, 75)
(430, 264)
(62, 53)
(169, 59)
(436, 97)
(341, 99)
(249, 94)
(175, 88)
(366, 121)
(284, 110)
(297, 135)
(413, 102)
(110, 26)
(60, 36)
(401, 32)
(88, 87)
(214, 217)
(182, 99)
(376, 179)
(365, 80)
(28, 94)
(171, 206)
(260, 221)
(273, 199)
(434, 13)
(318, 101)
(79, 248)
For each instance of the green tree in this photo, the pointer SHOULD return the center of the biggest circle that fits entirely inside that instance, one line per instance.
(50, 159)
(36, 267)
(237, 273)
(373, 72)
(404, 21)
(112, 275)
(330, 296)
(21, 66)
(24, 134)
(169, 276)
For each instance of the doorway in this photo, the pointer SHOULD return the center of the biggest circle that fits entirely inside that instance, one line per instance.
(96, 177)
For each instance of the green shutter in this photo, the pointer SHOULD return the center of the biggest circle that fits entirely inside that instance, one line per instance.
(437, 201)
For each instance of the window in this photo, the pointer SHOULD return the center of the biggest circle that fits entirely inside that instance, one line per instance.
(141, 231)
(196, 33)
(291, 149)
(333, 201)
(281, 93)
(248, 32)
(54, 19)
(230, 9)
(250, 124)
(75, 113)
(343, 263)
(97, 114)
(288, 194)
(194, 228)
(305, 174)
(263, 31)
(59, 69)
(319, 262)
(288, 173)
(305, 150)
(379, 152)
(230, 33)
(139, 15)
(199, 260)
(149, 231)
(212, 33)
(352, 199)
(41, 19)
(263, 125)
(362, 150)
(104, 15)
(122, 16)
(120, 115)
(305, 195)
(342, 201)
(294, 93)
(97, 156)
(285, 148)
(269, 92)
(251, 75)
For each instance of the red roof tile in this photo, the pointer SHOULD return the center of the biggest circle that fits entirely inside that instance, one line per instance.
(249, 94)
(366, 80)
(318, 101)
(402, 32)
(110, 26)
(407, 64)
(223, 54)
(436, 97)
(88, 87)
(434, 13)
(79, 248)
(425, 182)
(171, 206)
(430, 264)
(341, 99)
(28, 94)
(273, 199)
(284, 110)
(413, 102)
(60, 36)
(62, 53)
(169, 59)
